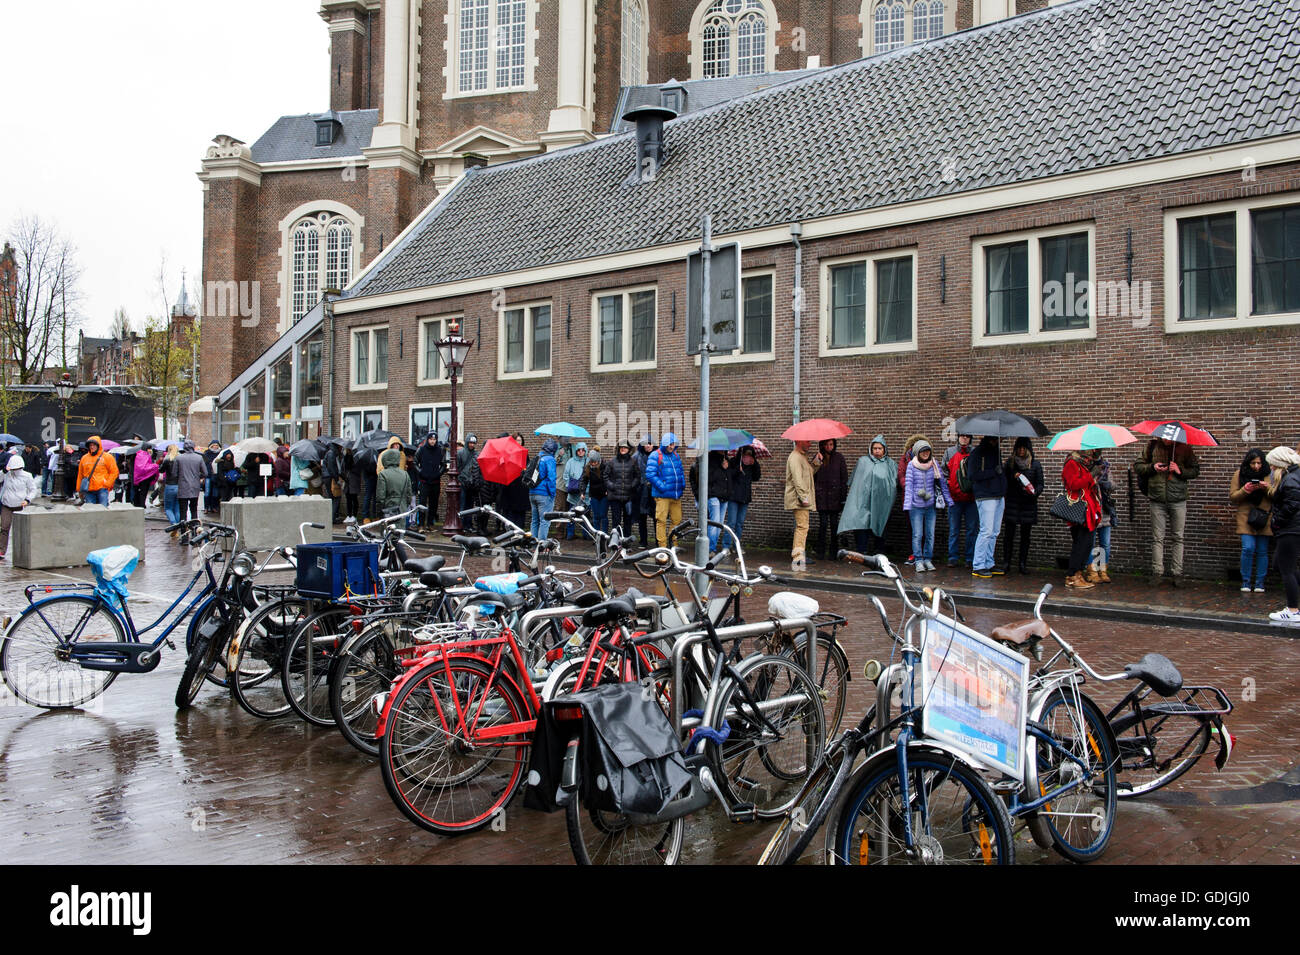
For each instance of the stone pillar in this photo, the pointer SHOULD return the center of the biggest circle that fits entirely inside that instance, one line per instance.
(990, 11)
(570, 121)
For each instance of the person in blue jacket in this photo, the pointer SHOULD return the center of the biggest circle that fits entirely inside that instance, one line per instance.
(667, 480)
(542, 498)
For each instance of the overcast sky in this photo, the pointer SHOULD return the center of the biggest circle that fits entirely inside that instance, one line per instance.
(109, 108)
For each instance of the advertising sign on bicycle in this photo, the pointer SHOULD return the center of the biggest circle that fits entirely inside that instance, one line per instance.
(975, 694)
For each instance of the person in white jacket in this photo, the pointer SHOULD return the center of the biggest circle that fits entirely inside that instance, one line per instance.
(17, 490)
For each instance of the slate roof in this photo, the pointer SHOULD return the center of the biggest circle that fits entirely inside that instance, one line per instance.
(294, 137)
(700, 94)
(1073, 87)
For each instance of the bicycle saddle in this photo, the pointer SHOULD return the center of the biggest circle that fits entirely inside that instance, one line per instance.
(634, 595)
(611, 611)
(424, 565)
(1157, 670)
(442, 579)
(588, 598)
(1022, 634)
(507, 601)
(472, 545)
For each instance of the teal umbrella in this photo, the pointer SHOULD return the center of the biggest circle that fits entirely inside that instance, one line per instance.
(562, 429)
(727, 439)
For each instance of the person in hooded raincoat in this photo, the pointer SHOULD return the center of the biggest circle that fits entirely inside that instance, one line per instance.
(872, 490)
(97, 473)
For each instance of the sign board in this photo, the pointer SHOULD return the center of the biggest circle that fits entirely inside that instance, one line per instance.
(724, 299)
(974, 692)
(264, 470)
(311, 412)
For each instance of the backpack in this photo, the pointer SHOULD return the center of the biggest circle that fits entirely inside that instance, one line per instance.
(533, 474)
(963, 474)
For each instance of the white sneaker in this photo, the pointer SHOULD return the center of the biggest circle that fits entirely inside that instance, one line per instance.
(1284, 618)
(1245, 588)
(1259, 588)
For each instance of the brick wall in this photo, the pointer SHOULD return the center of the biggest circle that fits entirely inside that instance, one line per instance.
(1126, 374)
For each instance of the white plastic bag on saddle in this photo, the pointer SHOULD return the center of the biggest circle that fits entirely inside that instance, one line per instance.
(788, 604)
(112, 567)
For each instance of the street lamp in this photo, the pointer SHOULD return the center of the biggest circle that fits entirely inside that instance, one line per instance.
(452, 350)
(65, 387)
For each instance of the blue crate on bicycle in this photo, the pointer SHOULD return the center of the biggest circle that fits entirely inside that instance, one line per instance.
(337, 569)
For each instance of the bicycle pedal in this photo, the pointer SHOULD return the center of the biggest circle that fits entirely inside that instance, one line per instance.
(744, 812)
(744, 782)
(168, 641)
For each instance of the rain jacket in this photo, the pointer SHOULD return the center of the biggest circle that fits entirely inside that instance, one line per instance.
(145, 468)
(663, 471)
(623, 478)
(17, 486)
(871, 493)
(100, 468)
(987, 478)
(799, 476)
(297, 465)
(1162, 486)
(546, 471)
(575, 469)
(393, 488)
(1022, 505)
(429, 460)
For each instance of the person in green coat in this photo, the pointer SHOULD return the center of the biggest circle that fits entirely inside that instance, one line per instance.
(871, 496)
(393, 487)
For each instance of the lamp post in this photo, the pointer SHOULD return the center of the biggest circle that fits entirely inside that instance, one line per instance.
(64, 388)
(452, 350)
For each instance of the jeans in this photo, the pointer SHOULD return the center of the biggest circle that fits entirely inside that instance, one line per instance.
(922, 519)
(47, 484)
(171, 505)
(599, 509)
(298, 491)
(539, 504)
(716, 510)
(990, 517)
(960, 512)
(1254, 559)
(1167, 520)
(735, 518)
(867, 542)
(1103, 541)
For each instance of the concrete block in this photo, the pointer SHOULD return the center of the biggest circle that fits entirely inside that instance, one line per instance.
(265, 523)
(62, 535)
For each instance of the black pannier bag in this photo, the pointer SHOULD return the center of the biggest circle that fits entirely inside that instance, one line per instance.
(631, 760)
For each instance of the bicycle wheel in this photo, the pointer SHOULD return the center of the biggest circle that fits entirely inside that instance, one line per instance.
(832, 676)
(598, 837)
(956, 819)
(798, 827)
(366, 666)
(439, 770)
(258, 655)
(198, 665)
(304, 672)
(1077, 822)
(1147, 762)
(203, 622)
(761, 764)
(33, 658)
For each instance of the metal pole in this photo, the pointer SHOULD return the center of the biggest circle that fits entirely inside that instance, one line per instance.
(702, 442)
(796, 230)
(452, 525)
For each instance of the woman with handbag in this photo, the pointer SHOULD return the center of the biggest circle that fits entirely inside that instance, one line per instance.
(925, 490)
(1080, 506)
(1251, 492)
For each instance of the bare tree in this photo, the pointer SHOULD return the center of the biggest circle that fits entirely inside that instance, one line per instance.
(42, 309)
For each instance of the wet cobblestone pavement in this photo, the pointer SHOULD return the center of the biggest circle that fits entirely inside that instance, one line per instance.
(131, 780)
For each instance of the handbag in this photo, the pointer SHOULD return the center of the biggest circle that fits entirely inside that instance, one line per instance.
(1257, 518)
(85, 482)
(305, 473)
(1072, 510)
(574, 486)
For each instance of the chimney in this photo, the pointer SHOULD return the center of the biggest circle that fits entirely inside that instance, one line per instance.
(650, 152)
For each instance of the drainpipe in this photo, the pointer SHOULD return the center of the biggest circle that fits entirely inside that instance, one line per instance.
(796, 230)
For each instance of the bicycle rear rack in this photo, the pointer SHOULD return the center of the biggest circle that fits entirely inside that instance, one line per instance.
(1194, 701)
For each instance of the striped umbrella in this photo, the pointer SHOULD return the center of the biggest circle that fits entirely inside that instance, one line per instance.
(1089, 436)
(760, 449)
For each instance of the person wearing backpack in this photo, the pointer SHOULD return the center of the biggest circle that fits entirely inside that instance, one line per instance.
(1024, 486)
(871, 498)
(1165, 468)
(541, 496)
(667, 483)
(963, 511)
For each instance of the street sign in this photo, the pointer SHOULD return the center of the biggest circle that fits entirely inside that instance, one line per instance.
(724, 299)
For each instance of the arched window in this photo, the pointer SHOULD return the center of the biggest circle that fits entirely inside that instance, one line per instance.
(890, 24)
(734, 38)
(634, 48)
(309, 271)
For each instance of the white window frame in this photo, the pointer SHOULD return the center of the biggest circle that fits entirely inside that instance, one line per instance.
(527, 373)
(363, 410)
(1035, 266)
(1245, 317)
(451, 46)
(867, 17)
(738, 356)
(632, 63)
(421, 378)
(433, 407)
(625, 364)
(872, 347)
(329, 210)
(368, 330)
(770, 47)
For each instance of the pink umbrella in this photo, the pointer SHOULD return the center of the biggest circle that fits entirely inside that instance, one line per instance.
(816, 429)
(108, 445)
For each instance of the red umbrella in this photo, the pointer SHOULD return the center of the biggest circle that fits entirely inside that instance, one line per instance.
(1177, 431)
(502, 460)
(816, 429)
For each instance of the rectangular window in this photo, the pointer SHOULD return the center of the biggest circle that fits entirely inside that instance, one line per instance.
(1207, 255)
(1275, 260)
(510, 43)
(431, 364)
(354, 422)
(524, 347)
(1065, 267)
(849, 306)
(625, 330)
(310, 377)
(541, 338)
(1007, 282)
(756, 330)
(474, 35)
(370, 357)
(514, 322)
(869, 304)
(492, 47)
(894, 300)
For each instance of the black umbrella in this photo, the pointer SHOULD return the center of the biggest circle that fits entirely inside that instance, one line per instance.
(1002, 424)
(375, 440)
(306, 451)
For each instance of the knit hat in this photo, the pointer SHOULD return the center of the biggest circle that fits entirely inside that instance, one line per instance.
(922, 445)
(1282, 457)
